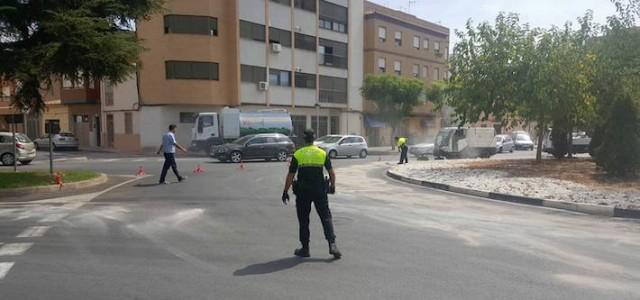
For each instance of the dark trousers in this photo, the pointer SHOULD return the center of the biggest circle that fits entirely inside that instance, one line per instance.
(303, 208)
(403, 155)
(169, 161)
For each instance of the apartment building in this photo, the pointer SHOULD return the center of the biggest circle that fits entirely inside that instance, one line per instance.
(71, 107)
(402, 44)
(304, 56)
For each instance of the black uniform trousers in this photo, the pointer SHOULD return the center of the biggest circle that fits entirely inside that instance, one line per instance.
(169, 162)
(403, 154)
(303, 208)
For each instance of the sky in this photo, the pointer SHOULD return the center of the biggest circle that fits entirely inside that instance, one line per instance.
(538, 13)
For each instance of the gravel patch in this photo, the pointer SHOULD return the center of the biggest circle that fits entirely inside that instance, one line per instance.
(454, 173)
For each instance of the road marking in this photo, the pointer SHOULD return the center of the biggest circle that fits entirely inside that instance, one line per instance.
(34, 231)
(139, 159)
(13, 249)
(54, 218)
(4, 268)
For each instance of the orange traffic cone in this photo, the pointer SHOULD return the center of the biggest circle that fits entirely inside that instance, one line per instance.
(198, 170)
(58, 180)
(141, 172)
(241, 165)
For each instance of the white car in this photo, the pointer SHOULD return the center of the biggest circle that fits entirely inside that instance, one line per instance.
(60, 140)
(343, 145)
(25, 150)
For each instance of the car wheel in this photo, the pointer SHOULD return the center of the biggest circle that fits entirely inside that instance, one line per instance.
(363, 154)
(7, 159)
(25, 162)
(282, 156)
(500, 150)
(333, 154)
(511, 150)
(236, 156)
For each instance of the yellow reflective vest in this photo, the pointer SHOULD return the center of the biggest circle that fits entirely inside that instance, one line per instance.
(402, 142)
(310, 156)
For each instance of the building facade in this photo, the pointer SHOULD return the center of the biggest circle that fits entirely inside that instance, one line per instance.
(304, 56)
(402, 44)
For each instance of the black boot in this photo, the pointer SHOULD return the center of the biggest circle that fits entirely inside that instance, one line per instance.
(302, 252)
(333, 250)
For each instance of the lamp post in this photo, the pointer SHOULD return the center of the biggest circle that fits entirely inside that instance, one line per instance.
(317, 119)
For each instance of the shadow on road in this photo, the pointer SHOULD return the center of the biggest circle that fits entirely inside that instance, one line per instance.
(142, 185)
(278, 265)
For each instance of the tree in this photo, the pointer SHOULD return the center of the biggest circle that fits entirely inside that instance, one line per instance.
(395, 97)
(77, 40)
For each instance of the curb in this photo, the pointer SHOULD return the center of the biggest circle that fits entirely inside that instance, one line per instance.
(590, 209)
(102, 178)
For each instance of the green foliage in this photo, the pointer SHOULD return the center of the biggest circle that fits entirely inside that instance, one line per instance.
(395, 97)
(78, 40)
(618, 152)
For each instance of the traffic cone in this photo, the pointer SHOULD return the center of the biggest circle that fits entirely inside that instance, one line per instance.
(58, 180)
(241, 165)
(141, 172)
(198, 170)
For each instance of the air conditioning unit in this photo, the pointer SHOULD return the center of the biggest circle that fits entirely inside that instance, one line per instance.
(298, 69)
(276, 48)
(263, 85)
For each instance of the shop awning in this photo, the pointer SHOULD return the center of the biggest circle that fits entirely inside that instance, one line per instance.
(372, 122)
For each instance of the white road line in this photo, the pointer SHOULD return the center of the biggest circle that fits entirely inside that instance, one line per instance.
(139, 159)
(4, 269)
(34, 231)
(13, 249)
(54, 218)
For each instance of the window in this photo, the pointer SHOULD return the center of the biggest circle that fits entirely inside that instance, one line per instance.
(191, 70)
(436, 74)
(187, 117)
(333, 17)
(436, 46)
(382, 34)
(108, 93)
(252, 31)
(425, 44)
(252, 74)
(128, 123)
(425, 71)
(52, 126)
(415, 70)
(416, 42)
(309, 5)
(335, 125)
(322, 128)
(397, 67)
(398, 38)
(279, 36)
(333, 54)
(279, 77)
(333, 89)
(191, 25)
(382, 64)
(305, 42)
(257, 141)
(306, 81)
(5, 94)
(299, 125)
(283, 2)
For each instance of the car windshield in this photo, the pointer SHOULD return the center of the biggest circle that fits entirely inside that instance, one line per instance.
(524, 138)
(443, 138)
(330, 139)
(66, 134)
(22, 138)
(242, 140)
(498, 139)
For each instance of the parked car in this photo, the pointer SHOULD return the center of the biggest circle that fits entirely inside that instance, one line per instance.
(266, 146)
(25, 149)
(423, 150)
(61, 140)
(523, 142)
(504, 143)
(343, 145)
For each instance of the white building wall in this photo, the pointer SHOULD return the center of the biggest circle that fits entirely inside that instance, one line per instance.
(305, 97)
(334, 72)
(252, 53)
(305, 22)
(306, 60)
(250, 93)
(280, 15)
(281, 60)
(280, 95)
(334, 35)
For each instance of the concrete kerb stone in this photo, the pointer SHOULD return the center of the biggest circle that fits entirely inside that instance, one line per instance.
(100, 179)
(590, 209)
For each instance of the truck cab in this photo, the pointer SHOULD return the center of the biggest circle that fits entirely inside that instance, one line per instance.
(206, 131)
(455, 142)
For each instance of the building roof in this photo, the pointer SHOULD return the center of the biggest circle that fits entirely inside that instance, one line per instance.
(376, 11)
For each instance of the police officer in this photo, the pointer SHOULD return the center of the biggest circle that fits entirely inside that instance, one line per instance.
(311, 186)
(401, 142)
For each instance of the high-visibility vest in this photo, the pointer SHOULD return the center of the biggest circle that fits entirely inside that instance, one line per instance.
(402, 141)
(310, 156)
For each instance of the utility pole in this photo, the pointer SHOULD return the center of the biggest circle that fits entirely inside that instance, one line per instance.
(13, 130)
(50, 149)
(317, 119)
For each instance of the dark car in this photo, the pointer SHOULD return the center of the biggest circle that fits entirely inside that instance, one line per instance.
(257, 146)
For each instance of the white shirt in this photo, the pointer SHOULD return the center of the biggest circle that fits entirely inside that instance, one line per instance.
(169, 142)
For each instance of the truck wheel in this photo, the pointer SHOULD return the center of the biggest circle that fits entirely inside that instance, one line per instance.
(333, 154)
(282, 156)
(212, 150)
(236, 157)
(363, 154)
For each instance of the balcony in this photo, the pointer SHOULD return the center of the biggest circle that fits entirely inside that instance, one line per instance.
(334, 61)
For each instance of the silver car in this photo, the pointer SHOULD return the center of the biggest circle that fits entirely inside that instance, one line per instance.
(60, 140)
(25, 149)
(343, 145)
(504, 143)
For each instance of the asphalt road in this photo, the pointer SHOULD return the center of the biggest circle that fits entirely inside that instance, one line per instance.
(224, 234)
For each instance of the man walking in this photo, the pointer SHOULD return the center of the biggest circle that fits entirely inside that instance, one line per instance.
(169, 146)
(403, 148)
(311, 187)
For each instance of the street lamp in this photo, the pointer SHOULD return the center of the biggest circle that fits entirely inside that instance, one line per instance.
(317, 118)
